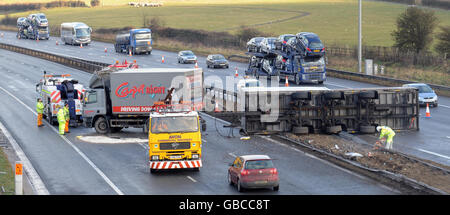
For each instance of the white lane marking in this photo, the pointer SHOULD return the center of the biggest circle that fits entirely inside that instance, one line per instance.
(434, 153)
(444, 106)
(110, 183)
(232, 155)
(337, 85)
(192, 179)
(36, 182)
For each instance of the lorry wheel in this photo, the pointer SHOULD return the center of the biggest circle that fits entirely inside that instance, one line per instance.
(334, 95)
(301, 96)
(334, 129)
(153, 171)
(367, 129)
(300, 130)
(297, 79)
(368, 95)
(101, 125)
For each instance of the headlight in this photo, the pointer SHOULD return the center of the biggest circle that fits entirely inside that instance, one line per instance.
(194, 156)
(155, 157)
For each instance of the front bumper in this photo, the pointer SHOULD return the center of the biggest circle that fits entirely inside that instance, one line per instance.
(260, 184)
(424, 102)
(142, 49)
(179, 164)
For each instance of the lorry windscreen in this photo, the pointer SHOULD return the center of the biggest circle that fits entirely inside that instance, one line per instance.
(176, 124)
(82, 32)
(313, 60)
(144, 36)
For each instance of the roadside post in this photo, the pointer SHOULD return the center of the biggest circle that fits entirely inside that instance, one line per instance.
(19, 178)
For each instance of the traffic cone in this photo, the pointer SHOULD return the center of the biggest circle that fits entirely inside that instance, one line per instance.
(162, 59)
(129, 53)
(81, 45)
(216, 108)
(196, 65)
(236, 72)
(106, 50)
(286, 84)
(56, 42)
(428, 114)
(37, 39)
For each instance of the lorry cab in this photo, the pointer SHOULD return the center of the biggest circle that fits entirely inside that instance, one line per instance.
(174, 140)
(75, 33)
(141, 40)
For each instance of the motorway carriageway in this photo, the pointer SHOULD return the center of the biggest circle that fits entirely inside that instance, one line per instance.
(431, 142)
(67, 165)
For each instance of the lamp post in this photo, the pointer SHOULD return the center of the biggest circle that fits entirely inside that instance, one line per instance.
(360, 36)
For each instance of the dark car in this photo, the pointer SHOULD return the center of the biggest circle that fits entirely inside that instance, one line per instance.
(310, 43)
(254, 44)
(253, 171)
(280, 43)
(216, 60)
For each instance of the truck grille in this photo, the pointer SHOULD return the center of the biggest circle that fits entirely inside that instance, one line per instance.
(175, 145)
(314, 76)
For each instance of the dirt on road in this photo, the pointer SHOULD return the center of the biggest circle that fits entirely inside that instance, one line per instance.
(380, 159)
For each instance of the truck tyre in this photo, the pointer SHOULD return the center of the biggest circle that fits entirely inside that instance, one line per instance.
(334, 95)
(50, 117)
(334, 129)
(297, 79)
(301, 96)
(367, 129)
(153, 171)
(368, 95)
(300, 130)
(239, 187)
(101, 125)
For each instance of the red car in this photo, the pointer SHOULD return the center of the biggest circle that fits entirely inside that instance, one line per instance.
(253, 171)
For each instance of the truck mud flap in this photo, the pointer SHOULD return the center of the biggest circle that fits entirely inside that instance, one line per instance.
(182, 164)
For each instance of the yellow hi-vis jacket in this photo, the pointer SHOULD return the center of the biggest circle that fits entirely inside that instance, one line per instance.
(386, 131)
(66, 113)
(61, 116)
(39, 108)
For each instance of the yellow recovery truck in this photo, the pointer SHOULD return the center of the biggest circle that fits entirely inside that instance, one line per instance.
(175, 140)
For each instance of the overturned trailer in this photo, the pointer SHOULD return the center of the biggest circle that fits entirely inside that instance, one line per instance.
(304, 110)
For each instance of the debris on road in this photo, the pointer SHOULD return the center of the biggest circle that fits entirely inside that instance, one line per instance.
(427, 172)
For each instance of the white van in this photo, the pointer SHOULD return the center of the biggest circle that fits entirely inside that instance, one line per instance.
(75, 33)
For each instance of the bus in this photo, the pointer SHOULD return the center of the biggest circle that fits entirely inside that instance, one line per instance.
(75, 33)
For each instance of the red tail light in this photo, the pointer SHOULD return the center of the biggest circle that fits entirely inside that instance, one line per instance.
(308, 49)
(273, 171)
(284, 42)
(244, 172)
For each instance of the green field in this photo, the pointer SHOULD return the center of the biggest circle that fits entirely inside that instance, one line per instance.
(334, 21)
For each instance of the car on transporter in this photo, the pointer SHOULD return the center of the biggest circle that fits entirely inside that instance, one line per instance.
(254, 44)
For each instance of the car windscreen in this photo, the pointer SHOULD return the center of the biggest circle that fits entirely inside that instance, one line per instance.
(143, 36)
(313, 59)
(259, 39)
(424, 89)
(82, 32)
(258, 164)
(271, 40)
(175, 124)
(314, 42)
(218, 57)
(186, 53)
(286, 38)
(42, 17)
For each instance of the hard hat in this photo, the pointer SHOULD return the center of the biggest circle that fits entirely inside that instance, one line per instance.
(379, 128)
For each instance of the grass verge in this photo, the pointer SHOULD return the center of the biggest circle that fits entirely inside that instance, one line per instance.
(6, 175)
